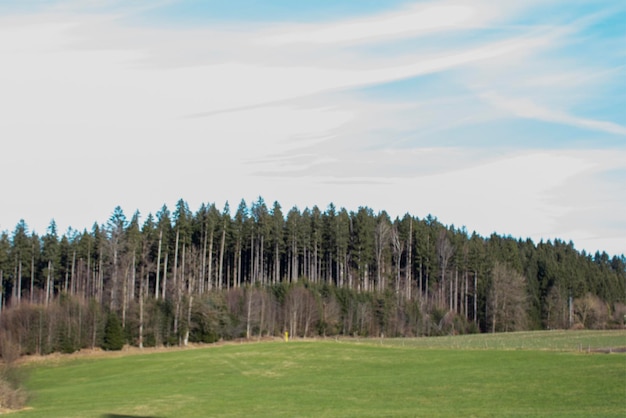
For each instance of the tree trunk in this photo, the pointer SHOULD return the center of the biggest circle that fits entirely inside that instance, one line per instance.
(176, 260)
(19, 284)
(493, 323)
(252, 275)
(158, 267)
(221, 265)
(67, 280)
(465, 294)
(177, 288)
(203, 271)
(475, 298)
(124, 297)
(456, 291)
(239, 264)
(100, 280)
(165, 262)
(315, 262)
(421, 279)
(72, 274)
(32, 277)
(398, 273)
(133, 285)
(89, 278)
(210, 273)
(114, 279)
(409, 262)
(451, 295)
(338, 273)
(261, 259)
(276, 264)
(294, 260)
(188, 330)
(48, 282)
(141, 297)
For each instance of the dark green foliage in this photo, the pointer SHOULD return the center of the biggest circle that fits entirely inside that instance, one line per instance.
(384, 308)
(209, 321)
(280, 291)
(65, 341)
(113, 334)
(149, 340)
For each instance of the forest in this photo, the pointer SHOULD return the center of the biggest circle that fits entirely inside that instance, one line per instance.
(181, 277)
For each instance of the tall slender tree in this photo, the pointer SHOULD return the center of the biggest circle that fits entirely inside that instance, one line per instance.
(277, 234)
(115, 229)
(51, 256)
(382, 237)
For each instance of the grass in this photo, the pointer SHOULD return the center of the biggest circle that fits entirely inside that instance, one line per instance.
(345, 378)
(580, 341)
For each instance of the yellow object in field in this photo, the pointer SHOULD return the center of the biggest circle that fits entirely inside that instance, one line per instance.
(286, 336)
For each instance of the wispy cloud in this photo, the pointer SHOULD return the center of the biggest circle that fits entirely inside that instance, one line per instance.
(415, 20)
(526, 108)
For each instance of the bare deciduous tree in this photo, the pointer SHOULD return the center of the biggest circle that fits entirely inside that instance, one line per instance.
(507, 299)
(301, 311)
(591, 311)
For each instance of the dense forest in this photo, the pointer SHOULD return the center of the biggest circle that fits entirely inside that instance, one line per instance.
(179, 277)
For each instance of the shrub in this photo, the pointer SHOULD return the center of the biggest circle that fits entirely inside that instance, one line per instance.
(12, 395)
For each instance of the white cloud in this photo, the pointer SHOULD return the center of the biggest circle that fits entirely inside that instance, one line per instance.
(511, 190)
(526, 108)
(418, 19)
(525, 195)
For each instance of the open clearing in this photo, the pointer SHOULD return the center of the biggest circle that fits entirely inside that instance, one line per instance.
(518, 374)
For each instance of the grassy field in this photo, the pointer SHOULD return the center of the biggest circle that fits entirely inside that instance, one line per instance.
(430, 377)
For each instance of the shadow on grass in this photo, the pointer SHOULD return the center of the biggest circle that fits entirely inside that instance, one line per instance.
(127, 416)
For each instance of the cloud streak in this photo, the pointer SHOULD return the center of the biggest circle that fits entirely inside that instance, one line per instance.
(415, 20)
(525, 108)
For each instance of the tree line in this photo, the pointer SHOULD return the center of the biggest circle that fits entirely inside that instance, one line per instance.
(179, 277)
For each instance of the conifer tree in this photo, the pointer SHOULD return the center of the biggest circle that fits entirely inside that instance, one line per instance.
(113, 334)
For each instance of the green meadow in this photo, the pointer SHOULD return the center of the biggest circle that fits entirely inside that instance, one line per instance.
(520, 374)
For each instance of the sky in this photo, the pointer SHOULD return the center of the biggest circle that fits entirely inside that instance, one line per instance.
(505, 117)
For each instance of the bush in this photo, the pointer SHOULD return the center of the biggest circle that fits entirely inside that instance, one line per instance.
(12, 395)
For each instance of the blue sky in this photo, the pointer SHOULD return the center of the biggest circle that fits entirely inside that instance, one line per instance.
(504, 117)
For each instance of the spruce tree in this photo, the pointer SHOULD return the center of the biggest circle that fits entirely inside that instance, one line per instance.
(113, 334)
